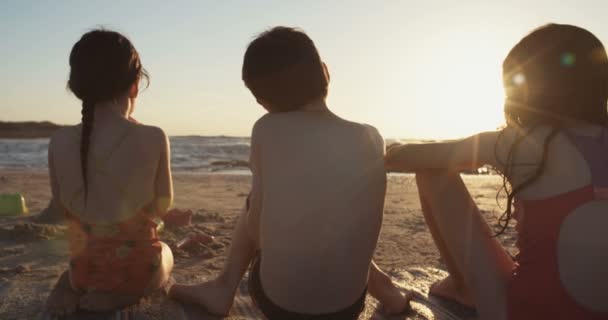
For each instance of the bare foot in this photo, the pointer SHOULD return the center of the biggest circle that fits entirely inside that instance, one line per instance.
(100, 301)
(63, 299)
(449, 289)
(393, 302)
(215, 296)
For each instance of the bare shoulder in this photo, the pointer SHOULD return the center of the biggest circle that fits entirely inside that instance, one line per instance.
(65, 136)
(370, 134)
(528, 142)
(361, 127)
(150, 134)
(371, 131)
(262, 124)
(266, 120)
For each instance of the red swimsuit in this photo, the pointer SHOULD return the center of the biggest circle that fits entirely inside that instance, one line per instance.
(114, 257)
(535, 289)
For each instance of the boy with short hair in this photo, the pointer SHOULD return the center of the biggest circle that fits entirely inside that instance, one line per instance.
(315, 209)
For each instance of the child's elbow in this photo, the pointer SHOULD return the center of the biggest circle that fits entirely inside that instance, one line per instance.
(163, 204)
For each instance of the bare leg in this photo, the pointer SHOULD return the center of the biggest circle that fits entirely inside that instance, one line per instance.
(107, 301)
(381, 287)
(63, 299)
(477, 263)
(453, 286)
(217, 295)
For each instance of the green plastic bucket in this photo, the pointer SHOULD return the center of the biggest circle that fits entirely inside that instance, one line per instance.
(12, 204)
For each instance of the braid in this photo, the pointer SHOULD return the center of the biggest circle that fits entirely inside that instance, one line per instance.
(104, 66)
(88, 114)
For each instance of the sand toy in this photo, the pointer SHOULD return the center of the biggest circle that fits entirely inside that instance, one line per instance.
(12, 204)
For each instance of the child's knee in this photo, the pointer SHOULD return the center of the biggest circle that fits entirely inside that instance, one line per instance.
(167, 261)
(163, 273)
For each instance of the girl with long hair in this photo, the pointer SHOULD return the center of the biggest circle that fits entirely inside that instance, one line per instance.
(111, 175)
(553, 155)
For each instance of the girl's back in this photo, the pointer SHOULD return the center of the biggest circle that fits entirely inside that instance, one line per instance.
(123, 166)
(553, 155)
(112, 177)
(560, 218)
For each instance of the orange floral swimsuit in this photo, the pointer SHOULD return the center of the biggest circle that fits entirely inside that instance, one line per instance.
(119, 257)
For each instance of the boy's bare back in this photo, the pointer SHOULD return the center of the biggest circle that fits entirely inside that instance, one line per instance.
(318, 196)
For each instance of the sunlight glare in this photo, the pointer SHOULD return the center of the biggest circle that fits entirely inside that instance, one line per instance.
(464, 94)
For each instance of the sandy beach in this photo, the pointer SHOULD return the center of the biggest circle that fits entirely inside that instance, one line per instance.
(32, 256)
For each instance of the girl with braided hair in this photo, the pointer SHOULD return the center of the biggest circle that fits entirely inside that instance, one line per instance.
(553, 155)
(111, 175)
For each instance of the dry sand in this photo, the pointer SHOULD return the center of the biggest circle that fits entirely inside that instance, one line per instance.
(33, 256)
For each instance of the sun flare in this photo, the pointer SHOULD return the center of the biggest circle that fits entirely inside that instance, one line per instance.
(452, 93)
(467, 96)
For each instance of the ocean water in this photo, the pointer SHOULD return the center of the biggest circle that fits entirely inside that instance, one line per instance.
(188, 153)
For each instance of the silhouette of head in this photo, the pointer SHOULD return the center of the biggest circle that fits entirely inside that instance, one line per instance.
(557, 73)
(104, 66)
(283, 70)
(555, 76)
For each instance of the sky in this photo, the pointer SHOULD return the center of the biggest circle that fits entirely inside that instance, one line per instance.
(413, 69)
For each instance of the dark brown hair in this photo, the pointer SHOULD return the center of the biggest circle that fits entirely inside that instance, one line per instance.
(103, 66)
(556, 75)
(283, 68)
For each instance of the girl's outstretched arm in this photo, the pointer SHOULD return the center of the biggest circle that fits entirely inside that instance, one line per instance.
(469, 153)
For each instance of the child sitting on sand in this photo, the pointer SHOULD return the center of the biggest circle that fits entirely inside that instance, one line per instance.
(553, 154)
(111, 176)
(315, 208)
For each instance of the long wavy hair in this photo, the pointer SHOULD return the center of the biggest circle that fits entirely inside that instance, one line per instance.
(556, 75)
(104, 65)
